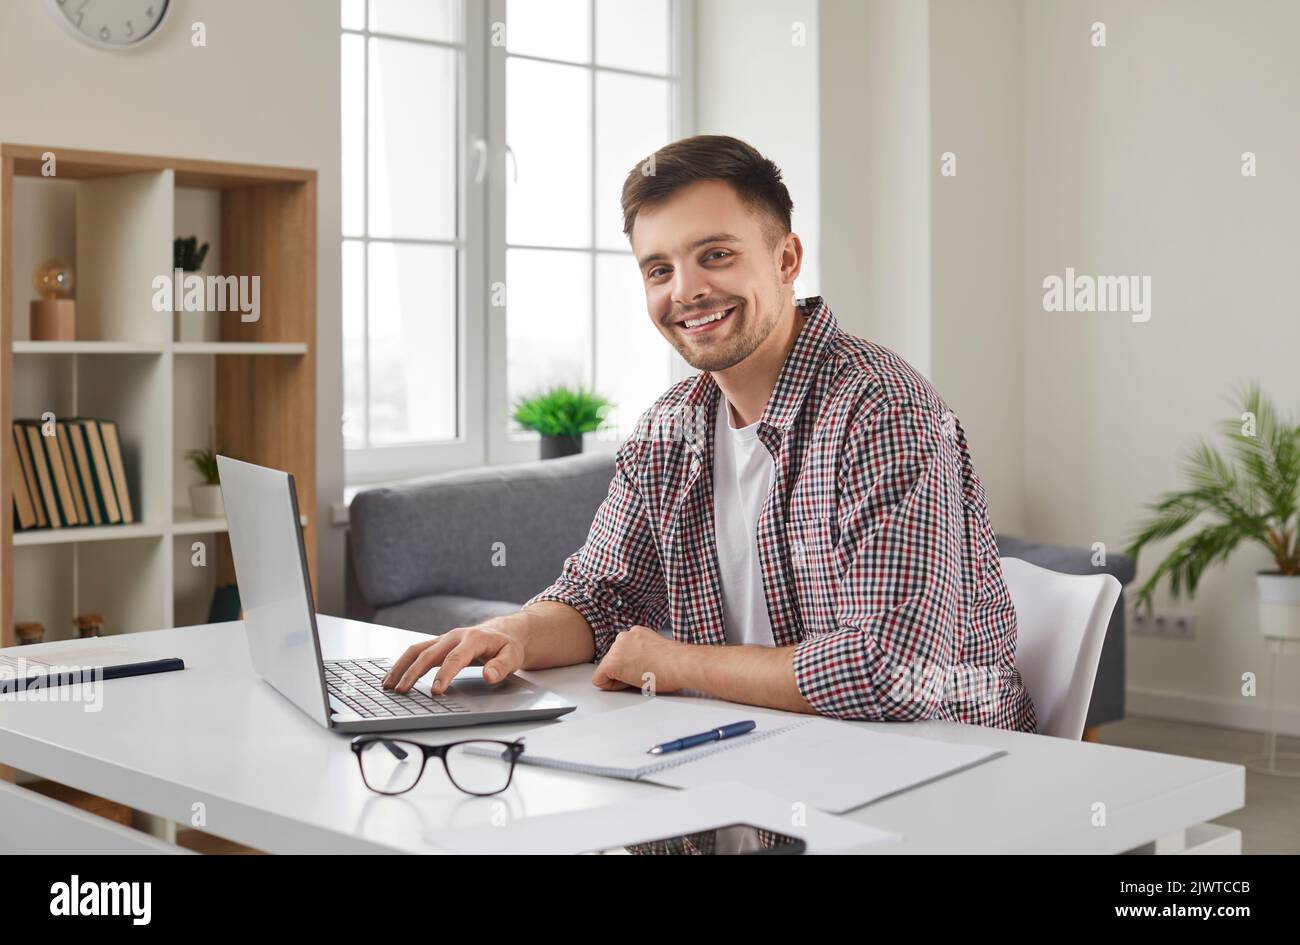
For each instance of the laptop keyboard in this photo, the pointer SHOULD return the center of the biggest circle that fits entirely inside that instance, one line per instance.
(356, 683)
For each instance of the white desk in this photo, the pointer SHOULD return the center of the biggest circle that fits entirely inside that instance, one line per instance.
(217, 739)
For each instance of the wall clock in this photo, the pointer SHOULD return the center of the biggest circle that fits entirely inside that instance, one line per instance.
(110, 24)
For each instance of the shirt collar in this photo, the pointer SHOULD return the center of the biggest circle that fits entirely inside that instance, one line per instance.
(796, 376)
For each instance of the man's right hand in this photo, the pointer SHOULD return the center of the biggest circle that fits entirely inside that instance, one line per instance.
(501, 653)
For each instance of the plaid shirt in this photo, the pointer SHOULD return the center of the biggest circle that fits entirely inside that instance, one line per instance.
(877, 556)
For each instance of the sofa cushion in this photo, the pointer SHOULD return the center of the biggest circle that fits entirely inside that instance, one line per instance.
(500, 533)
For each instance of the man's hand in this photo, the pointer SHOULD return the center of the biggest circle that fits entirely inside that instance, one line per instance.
(453, 651)
(635, 652)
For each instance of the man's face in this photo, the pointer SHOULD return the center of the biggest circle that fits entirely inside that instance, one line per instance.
(704, 254)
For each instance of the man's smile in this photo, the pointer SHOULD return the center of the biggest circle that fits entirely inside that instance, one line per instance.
(705, 321)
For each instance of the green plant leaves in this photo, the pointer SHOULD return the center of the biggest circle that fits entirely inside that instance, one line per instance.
(562, 411)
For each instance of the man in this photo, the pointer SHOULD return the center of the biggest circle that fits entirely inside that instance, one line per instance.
(803, 514)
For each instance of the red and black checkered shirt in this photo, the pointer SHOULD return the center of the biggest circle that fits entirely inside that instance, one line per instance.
(877, 556)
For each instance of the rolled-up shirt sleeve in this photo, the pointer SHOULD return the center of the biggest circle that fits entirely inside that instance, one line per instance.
(615, 580)
(898, 606)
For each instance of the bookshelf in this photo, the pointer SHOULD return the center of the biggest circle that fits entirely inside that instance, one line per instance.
(251, 385)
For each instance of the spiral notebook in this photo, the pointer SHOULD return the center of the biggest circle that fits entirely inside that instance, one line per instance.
(831, 765)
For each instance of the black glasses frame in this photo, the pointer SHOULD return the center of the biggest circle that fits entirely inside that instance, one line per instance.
(399, 748)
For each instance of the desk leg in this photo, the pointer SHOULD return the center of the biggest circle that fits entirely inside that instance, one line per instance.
(159, 827)
(1205, 838)
(1175, 842)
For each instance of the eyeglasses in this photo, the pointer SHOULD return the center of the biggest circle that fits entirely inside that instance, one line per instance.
(478, 766)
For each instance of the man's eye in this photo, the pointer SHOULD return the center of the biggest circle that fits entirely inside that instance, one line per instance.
(654, 271)
(716, 252)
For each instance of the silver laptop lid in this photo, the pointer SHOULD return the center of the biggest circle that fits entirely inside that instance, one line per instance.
(274, 589)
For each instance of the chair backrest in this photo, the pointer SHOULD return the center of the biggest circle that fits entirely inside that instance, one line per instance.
(1062, 624)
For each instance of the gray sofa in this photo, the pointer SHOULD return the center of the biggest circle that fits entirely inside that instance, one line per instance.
(454, 549)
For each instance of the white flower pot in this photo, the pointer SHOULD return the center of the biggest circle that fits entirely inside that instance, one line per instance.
(1279, 605)
(206, 502)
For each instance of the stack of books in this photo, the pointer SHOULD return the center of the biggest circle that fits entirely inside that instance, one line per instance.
(73, 476)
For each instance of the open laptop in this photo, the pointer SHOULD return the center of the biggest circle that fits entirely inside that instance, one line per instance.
(280, 622)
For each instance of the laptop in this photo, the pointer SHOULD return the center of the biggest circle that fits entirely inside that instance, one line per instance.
(280, 623)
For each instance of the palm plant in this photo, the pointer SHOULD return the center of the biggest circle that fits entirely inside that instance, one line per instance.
(1251, 495)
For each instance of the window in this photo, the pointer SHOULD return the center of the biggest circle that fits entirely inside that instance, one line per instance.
(484, 146)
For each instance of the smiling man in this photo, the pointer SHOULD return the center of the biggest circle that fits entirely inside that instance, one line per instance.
(803, 513)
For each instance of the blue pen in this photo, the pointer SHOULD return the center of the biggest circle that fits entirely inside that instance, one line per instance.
(712, 735)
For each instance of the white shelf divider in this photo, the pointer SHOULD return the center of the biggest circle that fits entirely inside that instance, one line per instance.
(88, 347)
(84, 533)
(239, 347)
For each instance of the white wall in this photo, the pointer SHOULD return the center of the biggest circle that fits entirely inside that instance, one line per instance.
(976, 326)
(265, 90)
(875, 189)
(925, 264)
(1132, 166)
(754, 81)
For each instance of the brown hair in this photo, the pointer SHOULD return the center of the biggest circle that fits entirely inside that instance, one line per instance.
(755, 179)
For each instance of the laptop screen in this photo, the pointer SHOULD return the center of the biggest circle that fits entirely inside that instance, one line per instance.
(274, 588)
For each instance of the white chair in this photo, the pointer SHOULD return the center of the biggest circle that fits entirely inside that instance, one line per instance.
(1063, 620)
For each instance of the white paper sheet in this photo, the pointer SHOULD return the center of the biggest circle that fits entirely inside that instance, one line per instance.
(835, 766)
(657, 818)
(824, 763)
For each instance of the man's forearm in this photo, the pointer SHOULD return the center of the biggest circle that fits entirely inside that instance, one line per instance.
(552, 634)
(755, 675)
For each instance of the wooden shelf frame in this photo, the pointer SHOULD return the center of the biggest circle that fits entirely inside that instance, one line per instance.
(263, 373)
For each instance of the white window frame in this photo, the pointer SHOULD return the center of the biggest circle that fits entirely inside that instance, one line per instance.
(482, 394)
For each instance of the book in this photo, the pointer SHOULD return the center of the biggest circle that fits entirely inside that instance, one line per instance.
(104, 490)
(85, 471)
(36, 452)
(25, 462)
(74, 481)
(113, 451)
(24, 511)
(59, 475)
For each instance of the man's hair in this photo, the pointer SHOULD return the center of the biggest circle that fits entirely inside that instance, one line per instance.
(755, 179)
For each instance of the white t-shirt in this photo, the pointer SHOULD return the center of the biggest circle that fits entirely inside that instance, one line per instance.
(742, 478)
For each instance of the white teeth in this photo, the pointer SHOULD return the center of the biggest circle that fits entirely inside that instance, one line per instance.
(694, 322)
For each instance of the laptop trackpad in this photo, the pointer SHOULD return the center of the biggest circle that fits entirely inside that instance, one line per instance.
(469, 682)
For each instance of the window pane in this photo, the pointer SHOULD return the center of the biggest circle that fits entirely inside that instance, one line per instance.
(412, 140)
(633, 34)
(353, 14)
(412, 294)
(632, 121)
(632, 358)
(556, 29)
(548, 322)
(548, 126)
(354, 344)
(422, 19)
(352, 82)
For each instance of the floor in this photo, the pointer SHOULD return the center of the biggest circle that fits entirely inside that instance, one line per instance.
(1270, 821)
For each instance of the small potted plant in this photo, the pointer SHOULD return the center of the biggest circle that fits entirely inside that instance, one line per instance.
(562, 415)
(205, 496)
(188, 256)
(1252, 497)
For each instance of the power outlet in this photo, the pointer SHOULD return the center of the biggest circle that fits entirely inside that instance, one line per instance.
(1169, 625)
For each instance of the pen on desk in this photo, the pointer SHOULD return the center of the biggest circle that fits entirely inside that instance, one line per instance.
(712, 735)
